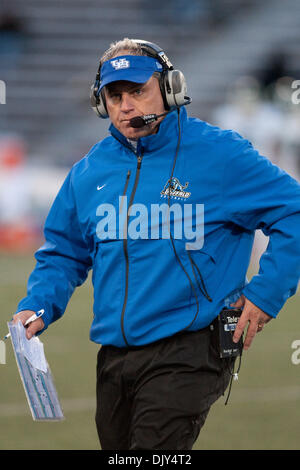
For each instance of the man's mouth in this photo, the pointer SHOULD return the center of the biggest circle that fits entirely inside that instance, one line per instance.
(126, 122)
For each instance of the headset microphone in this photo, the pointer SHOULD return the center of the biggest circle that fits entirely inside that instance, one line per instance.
(141, 121)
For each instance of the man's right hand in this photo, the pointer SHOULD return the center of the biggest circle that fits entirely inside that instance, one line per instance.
(33, 327)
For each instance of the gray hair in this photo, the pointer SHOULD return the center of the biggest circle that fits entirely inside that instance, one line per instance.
(125, 44)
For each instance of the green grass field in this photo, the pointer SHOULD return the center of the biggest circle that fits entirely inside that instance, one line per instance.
(263, 411)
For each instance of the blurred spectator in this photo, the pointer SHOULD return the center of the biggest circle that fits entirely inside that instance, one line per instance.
(15, 226)
(192, 12)
(264, 114)
(254, 119)
(171, 11)
(26, 192)
(12, 35)
(261, 120)
(275, 68)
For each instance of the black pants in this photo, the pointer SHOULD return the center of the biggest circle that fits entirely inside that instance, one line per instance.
(158, 396)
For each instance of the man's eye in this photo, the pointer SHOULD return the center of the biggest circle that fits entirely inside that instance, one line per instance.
(115, 96)
(138, 91)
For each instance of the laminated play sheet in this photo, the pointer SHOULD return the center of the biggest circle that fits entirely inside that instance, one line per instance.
(35, 375)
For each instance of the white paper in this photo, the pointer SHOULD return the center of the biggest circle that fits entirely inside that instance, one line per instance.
(32, 349)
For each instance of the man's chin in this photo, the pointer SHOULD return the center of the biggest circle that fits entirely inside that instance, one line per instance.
(135, 133)
(132, 134)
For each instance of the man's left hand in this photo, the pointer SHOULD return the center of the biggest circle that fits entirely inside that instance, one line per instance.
(252, 315)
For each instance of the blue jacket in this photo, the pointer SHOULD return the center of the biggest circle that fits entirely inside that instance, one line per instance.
(149, 285)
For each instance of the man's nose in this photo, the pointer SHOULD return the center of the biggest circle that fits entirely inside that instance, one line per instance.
(126, 103)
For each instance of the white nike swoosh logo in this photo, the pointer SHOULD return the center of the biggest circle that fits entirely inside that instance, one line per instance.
(100, 187)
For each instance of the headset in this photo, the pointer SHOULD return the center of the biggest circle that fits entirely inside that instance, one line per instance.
(172, 82)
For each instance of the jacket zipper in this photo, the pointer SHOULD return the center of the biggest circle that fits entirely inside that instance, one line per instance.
(125, 189)
(125, 246)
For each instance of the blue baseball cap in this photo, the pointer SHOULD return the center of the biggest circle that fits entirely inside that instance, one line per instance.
(132, 68)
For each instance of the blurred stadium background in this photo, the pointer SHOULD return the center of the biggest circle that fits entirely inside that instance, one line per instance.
(240, 58)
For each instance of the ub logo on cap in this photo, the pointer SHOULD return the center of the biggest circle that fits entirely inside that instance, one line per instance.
(120, 64)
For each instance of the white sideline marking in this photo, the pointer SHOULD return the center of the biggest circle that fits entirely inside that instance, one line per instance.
(269, 394)
(238, 395)
(68, 405)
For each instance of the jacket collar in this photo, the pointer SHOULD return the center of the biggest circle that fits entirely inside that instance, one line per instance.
(168, 130)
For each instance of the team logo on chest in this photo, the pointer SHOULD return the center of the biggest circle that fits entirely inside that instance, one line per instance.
(174, 189)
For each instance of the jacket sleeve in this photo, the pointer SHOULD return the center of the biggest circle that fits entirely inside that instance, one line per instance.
(260, 195)
(63, 261)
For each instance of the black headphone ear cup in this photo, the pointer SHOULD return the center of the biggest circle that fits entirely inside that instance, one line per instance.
(98, 102)
(175, 89)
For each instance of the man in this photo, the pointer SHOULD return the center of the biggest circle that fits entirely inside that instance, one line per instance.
(159, 287)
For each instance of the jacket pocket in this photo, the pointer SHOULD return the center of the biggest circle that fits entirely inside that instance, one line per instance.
(108, 277)
(203, 266)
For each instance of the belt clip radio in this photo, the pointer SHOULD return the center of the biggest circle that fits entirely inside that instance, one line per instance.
(227, 321)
